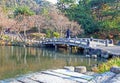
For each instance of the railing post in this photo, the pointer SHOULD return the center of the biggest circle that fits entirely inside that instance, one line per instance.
(111, 41)
(106, 42)
(88, 42)
(91, 38)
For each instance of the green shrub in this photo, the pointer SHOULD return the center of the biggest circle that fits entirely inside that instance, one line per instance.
(56, 34)
(107, 65)
(48, 33)
(5, 37)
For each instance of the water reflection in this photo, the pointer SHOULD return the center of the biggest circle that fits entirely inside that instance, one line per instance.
(19, 60)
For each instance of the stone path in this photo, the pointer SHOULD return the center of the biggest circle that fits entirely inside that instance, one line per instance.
(51, 76)
(65, 76)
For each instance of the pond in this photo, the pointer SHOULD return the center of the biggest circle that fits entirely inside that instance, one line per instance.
(16, 61)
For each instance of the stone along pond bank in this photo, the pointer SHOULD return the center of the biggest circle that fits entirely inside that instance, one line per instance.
(112, 76)
(68, 74)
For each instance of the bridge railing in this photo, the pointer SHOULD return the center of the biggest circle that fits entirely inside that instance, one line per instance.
(101, 42)
(78, 41)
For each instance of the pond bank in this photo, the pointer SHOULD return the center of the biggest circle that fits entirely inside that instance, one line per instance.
(18, 43)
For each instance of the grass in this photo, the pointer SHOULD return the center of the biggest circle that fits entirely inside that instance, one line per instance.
(107, 65)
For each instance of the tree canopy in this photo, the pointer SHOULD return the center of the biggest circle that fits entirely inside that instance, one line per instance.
(23, 10)
(99, 17)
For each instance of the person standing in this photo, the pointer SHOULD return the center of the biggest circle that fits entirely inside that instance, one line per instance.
(68, 33)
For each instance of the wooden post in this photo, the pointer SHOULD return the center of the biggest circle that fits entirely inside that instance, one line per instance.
(76, 49)
(85, 51)
(55, 47)
(69, 48)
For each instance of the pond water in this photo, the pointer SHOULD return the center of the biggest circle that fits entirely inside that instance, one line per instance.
(16, 61)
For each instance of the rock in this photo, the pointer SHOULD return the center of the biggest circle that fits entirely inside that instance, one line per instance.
(115, 79)
(87, 55)
(103, 78)
(71, 68)
(94, 56)
(115, 69)
(105, 55)
(80, 69)
(118, 43)
(90, 73)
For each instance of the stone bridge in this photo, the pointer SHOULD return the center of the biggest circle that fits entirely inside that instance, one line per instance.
(79, 42)
(92, 46)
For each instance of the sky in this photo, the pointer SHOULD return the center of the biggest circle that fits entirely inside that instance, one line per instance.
(52, 1)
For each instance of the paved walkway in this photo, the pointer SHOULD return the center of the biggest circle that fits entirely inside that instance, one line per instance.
(115, 50)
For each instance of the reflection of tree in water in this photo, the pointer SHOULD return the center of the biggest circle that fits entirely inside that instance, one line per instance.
(21, 60)
(70, 59)
(25, 55)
